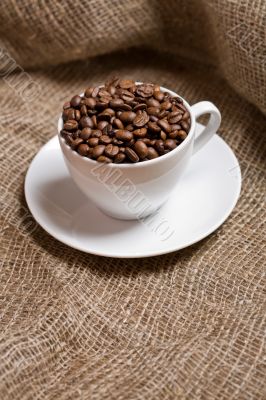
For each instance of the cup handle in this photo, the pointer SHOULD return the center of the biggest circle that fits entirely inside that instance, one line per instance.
(206, 107)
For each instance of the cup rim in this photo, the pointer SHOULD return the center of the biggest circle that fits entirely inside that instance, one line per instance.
(154, 161)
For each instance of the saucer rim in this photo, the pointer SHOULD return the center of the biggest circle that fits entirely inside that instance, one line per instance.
(136, 254)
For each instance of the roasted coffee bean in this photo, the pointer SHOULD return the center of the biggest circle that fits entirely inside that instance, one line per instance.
(117, 142)
(152, 102)
(105, 139)
(92, 142)
(90, 102)
(85, 133)
(141, 149)
(86, 121)
(162, 114)
(158, 95)
(104, 159)
(76, 142)
(75, 101)
(152, 153)
(118, 123)
(130, 128)
(153, 127)
(185, 125)
(83, 149)
(96, 133)
(131, 122)
(119, 158)
(116, 103)
(163, 135)
(132, 155)
(111, 150)
(88, 91)
(66, 105)
(102, 124)
(127, 116)
(140, 133)
(164, 125)
(145, 90)
(141, 119)
(153, 110)
(170, 144)
(182, 134)
(107, 129)
(159, 146)
(140, 106)
(71, 125)
(98, 150)
(124, 135)
(83, 110)
(126, 83)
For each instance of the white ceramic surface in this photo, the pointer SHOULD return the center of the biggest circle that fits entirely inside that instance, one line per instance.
(204, 198)
(128, 191)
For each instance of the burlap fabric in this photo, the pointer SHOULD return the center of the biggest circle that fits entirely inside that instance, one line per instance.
(188, 325)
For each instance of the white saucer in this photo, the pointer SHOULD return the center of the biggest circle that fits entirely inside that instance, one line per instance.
(201, 202)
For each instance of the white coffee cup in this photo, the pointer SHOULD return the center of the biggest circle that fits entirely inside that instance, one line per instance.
(134, 191)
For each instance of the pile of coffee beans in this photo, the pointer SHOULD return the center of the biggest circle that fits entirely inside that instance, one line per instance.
(124, 122)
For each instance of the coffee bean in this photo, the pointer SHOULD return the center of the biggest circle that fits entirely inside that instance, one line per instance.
(152, 153)
(126, 83)
(170, 144)
(124, 135)
(96, 133)
(116, 103)
(92, 142)
(90, 102)
(76, 143)
(153, 127)
(70, 125)
(166, 105)
(95, 91)
(174, 119)
(185, 125)
(111, 150)
(86, 122)
(141, 149)
(107, 129)
(127, 116)
(125, 107)
(75, 101)
(163, 135)
(162, 114)
(140, 106)
(85, 133)
(102, 124)
(105, 139)
(98, 150)
(173, 134)
(147, 141)
(182, 134)
(152, 102)
(104, 116)
(145, 90)
(130, 128)
(66, 105)
(83, 149)
(104, 159)
(158, 95)
(140, 133)
(117, 142)
(88, 91)
(153, 118)
(159, 146)
(153, 110)
(119, 158)
(118, 123)
(83, 110)
(94, 121)
(164, 125)
(176, 127)
(132, 155)
(141, 119)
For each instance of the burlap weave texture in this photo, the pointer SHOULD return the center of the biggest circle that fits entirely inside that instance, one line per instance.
(188, 325)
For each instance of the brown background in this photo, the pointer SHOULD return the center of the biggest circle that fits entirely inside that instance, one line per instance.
(188, 325)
